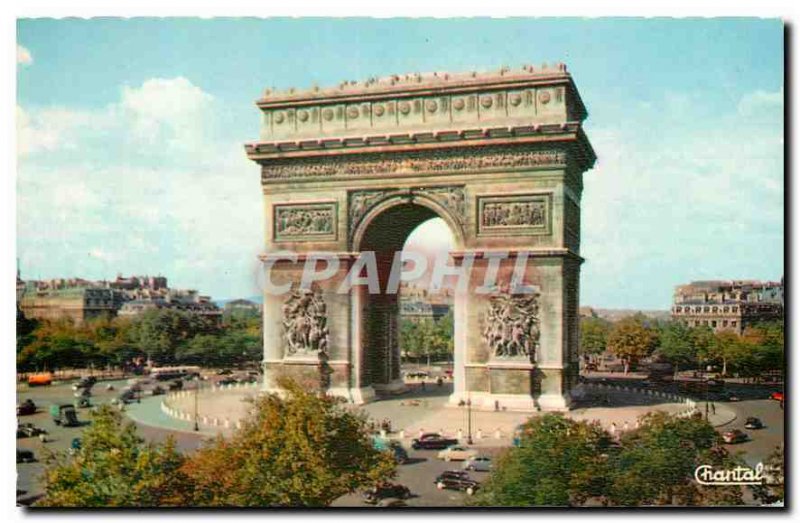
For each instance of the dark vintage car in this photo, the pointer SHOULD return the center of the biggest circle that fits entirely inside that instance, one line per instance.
(386, 491)
(25, 456)
(29, 430)
(432, 441)
(456, 480)
(26, 408)
(753, 423)
(84, 383)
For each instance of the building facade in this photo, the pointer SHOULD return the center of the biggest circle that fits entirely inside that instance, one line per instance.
(728, 305)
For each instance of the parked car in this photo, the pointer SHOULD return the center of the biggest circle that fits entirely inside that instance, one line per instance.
(385, 490)
(753, 423)
(478, 463)
(85, 383)
(64, 415)
(432, 441)
(734, 436)
(82, 393)
(728, 396)
(225, 372)
(456, 480)
(29, 430)
(26, 408)
(157, 390)
(417, 375)
(128, 396)
(25, 456)
(777, 396)
(82, 403)
(176, 385)
(457, 453)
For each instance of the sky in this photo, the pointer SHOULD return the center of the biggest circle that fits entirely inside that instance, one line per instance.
(130, 139)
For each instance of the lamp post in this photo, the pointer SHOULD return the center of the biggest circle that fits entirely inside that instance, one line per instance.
(469, 421)
(196, 392)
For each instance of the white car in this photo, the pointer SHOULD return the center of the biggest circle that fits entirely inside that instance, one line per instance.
(478, 463)
(457, 453)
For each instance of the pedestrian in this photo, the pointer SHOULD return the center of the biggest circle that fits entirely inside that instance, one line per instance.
(713, 408)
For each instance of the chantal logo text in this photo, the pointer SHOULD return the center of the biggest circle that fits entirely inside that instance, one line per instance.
(708, 475)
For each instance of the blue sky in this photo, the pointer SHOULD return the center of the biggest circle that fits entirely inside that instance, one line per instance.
(130, 138)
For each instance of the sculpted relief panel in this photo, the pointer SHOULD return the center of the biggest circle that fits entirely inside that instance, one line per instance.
(305, 222)
(514, 215)
(511, 326)
(305, 323)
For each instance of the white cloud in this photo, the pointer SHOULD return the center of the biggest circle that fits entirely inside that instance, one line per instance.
(154, 120)
(679, 201)
(24, 56)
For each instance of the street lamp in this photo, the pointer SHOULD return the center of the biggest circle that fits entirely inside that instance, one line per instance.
(469, 421)
(196, 391)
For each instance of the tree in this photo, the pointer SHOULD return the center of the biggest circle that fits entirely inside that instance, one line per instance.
(115, 468)
(631, 340)
(594, 336)
(657, 462)
(300, 450)
(159, 332)
(559, 462)
(675, 345)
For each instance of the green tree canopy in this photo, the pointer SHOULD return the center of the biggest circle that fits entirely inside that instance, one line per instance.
(115, 468)
(631, 339)
(559, 462)
(594, 335)
(299, 450)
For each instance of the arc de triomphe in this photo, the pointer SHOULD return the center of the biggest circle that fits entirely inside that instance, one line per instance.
(498, 156)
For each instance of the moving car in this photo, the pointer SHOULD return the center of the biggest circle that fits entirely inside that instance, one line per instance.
(777, 396)
(82, 393)
(456, 480)
(417, 375)
(25, 456)
(457, 453)
(26, 408)
(734, 436)
(753, 423)
(64, 415)
(432, 441)
(478, 463)
(82, 403)
(29, 430)
(386, 490)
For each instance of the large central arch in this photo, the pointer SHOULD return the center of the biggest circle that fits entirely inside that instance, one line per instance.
(499, 157)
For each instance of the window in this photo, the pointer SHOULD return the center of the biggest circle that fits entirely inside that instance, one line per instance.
(677, 309)
(705, 309)
(733, 323)
(714, 309)
(725, 309)
(698, 309)
(724, 323)
(714, 323)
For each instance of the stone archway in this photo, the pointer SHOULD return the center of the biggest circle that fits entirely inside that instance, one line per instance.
(498, 156)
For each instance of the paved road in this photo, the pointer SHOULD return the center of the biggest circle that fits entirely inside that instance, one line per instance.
(60, 438)
(417, 475)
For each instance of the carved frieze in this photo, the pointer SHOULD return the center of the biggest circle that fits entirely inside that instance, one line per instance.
(305, 323)
(515, 215)
(470, 160)
(511, 326)
(304, 222)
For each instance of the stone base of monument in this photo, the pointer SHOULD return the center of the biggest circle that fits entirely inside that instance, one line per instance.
(388, 389)
(355, 396)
